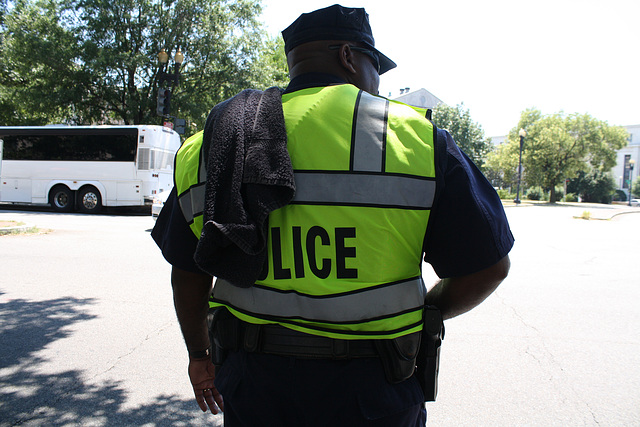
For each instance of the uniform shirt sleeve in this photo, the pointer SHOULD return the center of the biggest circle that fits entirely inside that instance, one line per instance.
(468, 229)
(174, 237)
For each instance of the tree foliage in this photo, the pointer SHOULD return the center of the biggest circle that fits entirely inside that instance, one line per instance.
(559, 147)
(36, 74)
(596, 186)
(635, 188)
(95, 61)
(501, 166)
(468, 134)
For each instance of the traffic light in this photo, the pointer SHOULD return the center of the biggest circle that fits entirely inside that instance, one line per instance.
(164, 102)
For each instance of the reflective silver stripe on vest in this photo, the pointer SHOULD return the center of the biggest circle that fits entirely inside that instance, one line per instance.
(192, 201)
(369, 134)
(377, 302)
(364, 189)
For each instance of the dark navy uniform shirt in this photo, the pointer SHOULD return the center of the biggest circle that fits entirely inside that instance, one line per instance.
(467, 231)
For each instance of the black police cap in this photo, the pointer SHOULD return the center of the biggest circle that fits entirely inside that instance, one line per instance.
(334, 23)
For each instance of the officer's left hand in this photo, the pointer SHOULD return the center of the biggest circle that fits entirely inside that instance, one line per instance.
(202, 372)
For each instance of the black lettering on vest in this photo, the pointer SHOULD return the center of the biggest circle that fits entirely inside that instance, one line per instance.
(298, 258)
(321, 272)
(279, 272)
(343, 252)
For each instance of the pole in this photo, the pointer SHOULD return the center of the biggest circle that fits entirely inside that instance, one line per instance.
(630, 180)
(174, 78)
(517, 199)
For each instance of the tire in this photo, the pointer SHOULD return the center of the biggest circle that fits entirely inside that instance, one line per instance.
(89, 200)
(61, 198)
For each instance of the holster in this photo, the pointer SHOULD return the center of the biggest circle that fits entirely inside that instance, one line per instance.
(428, 360)
(223, 334)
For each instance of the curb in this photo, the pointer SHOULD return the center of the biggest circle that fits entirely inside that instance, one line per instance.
(615, 214)
(598, 212)
(16, 229)
(606, 217)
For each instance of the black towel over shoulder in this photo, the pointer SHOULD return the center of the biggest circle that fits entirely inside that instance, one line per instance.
(249, 175)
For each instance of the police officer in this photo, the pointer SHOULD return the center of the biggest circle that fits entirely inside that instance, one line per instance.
(317, 337)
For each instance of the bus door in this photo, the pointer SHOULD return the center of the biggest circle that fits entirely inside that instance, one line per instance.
(12, 188)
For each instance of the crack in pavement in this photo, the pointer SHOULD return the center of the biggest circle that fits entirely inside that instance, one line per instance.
(529, 350)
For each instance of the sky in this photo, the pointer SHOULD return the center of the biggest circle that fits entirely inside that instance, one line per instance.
(500, 57)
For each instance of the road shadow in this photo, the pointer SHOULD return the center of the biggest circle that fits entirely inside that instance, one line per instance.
(30, 396)
(106, 210)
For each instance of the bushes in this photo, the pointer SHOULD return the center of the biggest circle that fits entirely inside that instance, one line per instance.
(571, 197)
(535, 193)
(505, 194)
(635, 188)
(595, 186)
(539, 194)
(620, 196)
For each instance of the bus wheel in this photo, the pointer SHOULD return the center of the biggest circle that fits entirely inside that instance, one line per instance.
(61, 198)
(89, 200)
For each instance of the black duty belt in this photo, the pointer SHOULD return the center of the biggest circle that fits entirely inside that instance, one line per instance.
(274, 339)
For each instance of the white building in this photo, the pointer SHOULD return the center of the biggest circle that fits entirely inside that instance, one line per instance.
(498, 140)
(626, 169)
(419, 98)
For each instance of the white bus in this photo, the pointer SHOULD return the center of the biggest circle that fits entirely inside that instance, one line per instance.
(86, 167)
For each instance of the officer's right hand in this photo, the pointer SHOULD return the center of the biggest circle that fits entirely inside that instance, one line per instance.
(202, 372)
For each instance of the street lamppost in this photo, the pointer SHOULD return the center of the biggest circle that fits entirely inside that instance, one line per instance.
(631, 164)
(164, 94)
(522, 134)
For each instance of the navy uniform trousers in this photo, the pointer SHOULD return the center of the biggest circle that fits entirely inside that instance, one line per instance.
(268, 390)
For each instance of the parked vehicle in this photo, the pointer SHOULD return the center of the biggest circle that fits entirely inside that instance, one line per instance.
(86, 167)
(158, 203)
(635, 202)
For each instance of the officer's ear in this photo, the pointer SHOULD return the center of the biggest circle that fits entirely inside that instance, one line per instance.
(345, 55)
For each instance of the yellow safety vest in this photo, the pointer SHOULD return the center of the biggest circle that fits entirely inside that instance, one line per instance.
(190, 177)
(344, 257)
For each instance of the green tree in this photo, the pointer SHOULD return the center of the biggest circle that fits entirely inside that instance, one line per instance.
(595, 186)
(502, 161)
(635, 188)
(501, 166)
(95, 61)
(270, 68)
(558, 147)
(37, 71)
(468, 134)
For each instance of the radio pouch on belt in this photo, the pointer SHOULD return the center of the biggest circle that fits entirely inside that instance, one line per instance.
(429, 355)
(398, 356)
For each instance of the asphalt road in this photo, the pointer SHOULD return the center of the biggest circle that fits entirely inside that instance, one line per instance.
(88, 335)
